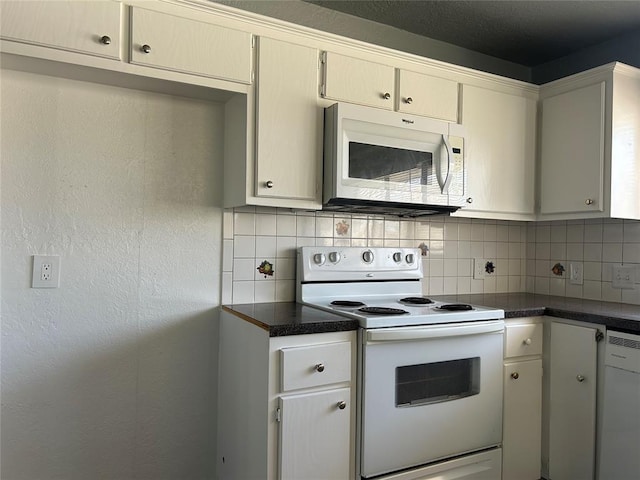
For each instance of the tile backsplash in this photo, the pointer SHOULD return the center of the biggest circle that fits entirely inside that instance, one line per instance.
(259, 252)
(260, 249)
(595, 246)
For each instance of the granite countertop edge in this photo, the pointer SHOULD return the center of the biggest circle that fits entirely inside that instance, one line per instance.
(291, 318)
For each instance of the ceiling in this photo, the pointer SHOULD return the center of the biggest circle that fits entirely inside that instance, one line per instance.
(525, 32)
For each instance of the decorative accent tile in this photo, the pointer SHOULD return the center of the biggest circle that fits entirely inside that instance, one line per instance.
(266, 269)
(558, 270)
(342, 228)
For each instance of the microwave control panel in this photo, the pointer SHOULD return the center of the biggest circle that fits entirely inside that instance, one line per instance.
(456, 187)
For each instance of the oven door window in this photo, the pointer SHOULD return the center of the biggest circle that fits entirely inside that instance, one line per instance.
(437, 382)
(389, 164)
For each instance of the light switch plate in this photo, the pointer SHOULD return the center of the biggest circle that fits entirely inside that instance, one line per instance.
(576, 273)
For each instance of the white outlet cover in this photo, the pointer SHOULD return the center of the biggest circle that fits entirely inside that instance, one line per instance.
(38, 280)
(478, 268)
(576, 273)
(623, 277)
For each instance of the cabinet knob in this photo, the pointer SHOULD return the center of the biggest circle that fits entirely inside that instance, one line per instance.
(386, 95)
(320, 367)
(589, 201)
(105, 39)
(527, 341)
(580, 378)
(145, 48)
(469, 200)
(342, 405)
(408, 100)
(515, 375)
(268, 184)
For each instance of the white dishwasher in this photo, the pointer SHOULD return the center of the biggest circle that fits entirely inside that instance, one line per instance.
(620, 433)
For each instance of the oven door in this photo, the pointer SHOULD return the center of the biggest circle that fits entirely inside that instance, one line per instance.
(429, 393)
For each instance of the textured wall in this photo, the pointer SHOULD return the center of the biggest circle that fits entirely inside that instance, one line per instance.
(112, 375)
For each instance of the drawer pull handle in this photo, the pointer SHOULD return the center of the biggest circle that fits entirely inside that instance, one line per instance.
(515, 375)
(320, 367)
(386, 96)
(105, 40)
(145, 48)
(580, 378)
(527, 341)
(342, 405)
(409, 100)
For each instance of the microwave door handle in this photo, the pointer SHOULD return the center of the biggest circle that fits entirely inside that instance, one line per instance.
(444, 187)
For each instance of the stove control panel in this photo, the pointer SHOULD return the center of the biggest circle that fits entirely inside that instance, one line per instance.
(358, 263)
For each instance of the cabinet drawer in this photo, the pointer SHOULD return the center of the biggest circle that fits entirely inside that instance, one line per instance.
(84, 27)
(172, 43)
(521, 340)
(315, 365)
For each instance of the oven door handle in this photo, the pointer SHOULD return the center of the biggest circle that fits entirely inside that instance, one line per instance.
(419, 333)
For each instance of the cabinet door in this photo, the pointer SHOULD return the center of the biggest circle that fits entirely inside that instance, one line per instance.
(315, 435)
(352, 80)
(429, 96)
(522, 431)
(288, 122)
(572, 151)
(572, 402)
(85, 27)
(500, 153)
(165, 41)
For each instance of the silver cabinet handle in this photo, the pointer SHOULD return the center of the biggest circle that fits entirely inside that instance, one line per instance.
(515, 375)
(320, 367)
(268, 184)
(386, 96)
(342, 405)
(589, 201)
(105, 40)
(145, 48)
(580, 378)
(527, 341)
(469, 200)
(408, 100)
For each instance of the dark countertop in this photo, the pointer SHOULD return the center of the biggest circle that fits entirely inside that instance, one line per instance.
(290, 318)
(622, 316)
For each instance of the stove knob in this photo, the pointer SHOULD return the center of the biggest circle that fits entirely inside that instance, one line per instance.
(334, 257)
(397, 257)
(367, 256)
(319, 258)
(410, 258)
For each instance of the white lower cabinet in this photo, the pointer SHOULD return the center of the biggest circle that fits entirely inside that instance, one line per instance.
(285, 404)
(315, 435)
(571, 403)
(522, 419)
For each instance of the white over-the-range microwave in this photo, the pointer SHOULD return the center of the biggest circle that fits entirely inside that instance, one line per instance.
(378, 161)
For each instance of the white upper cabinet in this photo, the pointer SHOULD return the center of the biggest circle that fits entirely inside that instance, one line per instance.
(353, 80)
(173, 43)
(589, 159)
(288, 124)
(500, 139)
(426, 95)
(81, 27)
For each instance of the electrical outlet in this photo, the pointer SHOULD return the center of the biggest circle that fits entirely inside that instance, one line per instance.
(46, 271)
(576, 273)
(623, 277)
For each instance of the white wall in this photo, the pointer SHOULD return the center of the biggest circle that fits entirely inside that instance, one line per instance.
(112, 375)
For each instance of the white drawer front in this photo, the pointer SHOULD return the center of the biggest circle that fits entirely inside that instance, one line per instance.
(315, 365)
(521, 340)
